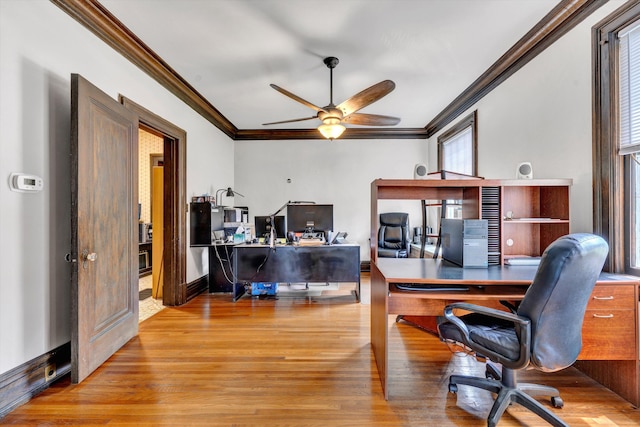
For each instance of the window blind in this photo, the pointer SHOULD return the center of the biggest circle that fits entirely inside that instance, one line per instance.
(629, 78)
(458, 153)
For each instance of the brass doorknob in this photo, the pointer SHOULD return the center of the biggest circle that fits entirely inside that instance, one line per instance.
(88, 256)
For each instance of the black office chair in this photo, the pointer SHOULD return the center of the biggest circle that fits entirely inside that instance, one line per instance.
(545, 332)
(393, 235)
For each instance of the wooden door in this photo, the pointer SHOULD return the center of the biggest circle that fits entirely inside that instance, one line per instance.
(104, 212)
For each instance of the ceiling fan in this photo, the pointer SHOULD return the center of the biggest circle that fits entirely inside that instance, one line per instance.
(332, 116)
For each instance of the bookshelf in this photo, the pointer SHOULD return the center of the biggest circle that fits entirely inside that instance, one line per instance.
(524, 215)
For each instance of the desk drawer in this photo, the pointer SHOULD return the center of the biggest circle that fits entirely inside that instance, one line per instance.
(608, 335)
(612, 297)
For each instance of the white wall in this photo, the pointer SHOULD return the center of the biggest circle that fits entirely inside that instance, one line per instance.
(542, 114)
(40, 46)
(338, 173)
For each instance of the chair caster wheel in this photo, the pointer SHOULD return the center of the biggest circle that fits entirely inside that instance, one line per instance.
(557, 402)
(453, 388)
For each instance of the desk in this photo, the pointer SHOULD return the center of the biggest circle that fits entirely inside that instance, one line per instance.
(487, 287)
(291, 264)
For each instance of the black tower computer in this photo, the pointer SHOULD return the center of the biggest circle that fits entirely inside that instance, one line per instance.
(464, 242)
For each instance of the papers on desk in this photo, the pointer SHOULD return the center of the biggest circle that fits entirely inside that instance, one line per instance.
(522, 260)
(311, 242)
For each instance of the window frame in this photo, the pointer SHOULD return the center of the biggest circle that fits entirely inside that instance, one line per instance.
(631, 168)
(470, 121)
(611, 171)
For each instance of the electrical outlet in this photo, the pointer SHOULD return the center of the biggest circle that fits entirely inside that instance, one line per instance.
(50, 372)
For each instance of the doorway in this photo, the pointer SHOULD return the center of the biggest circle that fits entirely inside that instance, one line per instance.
(150, 196)
(171, 233)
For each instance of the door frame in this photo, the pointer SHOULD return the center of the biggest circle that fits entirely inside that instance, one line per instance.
(174, 287)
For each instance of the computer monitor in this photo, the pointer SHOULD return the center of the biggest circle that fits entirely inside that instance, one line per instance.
(303, 217)
(263, 226)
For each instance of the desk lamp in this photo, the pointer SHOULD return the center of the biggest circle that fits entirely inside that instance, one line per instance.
(230, 193)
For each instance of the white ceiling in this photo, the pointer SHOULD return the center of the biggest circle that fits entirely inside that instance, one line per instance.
(231, 50)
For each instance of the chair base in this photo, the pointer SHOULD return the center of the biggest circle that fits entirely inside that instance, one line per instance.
(508, 392)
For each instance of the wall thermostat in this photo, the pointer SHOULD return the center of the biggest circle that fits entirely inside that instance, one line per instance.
(25, 183)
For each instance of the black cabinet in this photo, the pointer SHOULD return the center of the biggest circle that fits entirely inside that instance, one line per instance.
(205, 219)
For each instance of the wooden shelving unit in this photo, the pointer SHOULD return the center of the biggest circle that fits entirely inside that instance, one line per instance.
(524, 216)
(533, 217)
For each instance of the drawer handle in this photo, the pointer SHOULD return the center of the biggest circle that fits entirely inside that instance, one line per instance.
(603, 316)
(603, 298)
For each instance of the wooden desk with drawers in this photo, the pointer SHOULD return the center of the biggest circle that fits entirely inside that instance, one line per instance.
(610, 330)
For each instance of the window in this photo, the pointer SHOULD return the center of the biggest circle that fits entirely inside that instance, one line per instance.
(629, 144)
(458, 152)
(458, 147)
(616, 172)
(629, 89)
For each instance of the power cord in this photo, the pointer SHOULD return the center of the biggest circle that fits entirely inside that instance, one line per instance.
(221, 261)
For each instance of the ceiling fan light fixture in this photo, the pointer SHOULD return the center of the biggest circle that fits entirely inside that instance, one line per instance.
(333, 115)
(331, 128)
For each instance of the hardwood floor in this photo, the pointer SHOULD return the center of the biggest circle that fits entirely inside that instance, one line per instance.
(291, 362)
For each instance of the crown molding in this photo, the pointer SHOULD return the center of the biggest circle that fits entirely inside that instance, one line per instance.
(562, 18)
(97, 19)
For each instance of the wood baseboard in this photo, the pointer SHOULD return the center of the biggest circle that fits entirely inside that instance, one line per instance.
(24, 382)
(197, 287)
(20, 384)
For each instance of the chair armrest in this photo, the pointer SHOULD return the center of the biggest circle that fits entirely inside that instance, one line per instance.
(522, 327)
(511, 317)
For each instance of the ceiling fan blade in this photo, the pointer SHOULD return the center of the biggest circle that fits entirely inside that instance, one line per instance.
(290, 121)
(370, 120)
(366, 97)
(296, 98)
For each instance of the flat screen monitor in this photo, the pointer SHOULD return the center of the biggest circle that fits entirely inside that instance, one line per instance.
(263, 226)
(301, 218)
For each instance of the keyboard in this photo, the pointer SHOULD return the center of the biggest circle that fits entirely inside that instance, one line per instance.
(424, 287)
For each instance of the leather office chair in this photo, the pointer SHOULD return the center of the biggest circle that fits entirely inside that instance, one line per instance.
(545, 332)
(393, 235)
